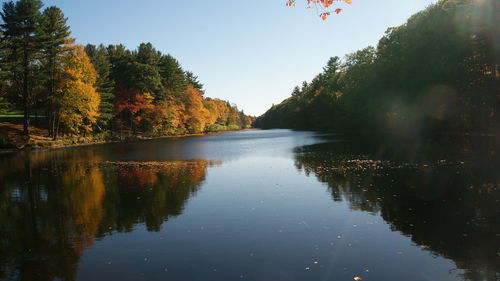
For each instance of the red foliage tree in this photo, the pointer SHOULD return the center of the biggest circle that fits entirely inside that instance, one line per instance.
(129, 106)
(323, 7)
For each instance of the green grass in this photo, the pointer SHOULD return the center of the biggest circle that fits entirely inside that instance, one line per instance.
(18, 114)
(17, 117)
(11, 115)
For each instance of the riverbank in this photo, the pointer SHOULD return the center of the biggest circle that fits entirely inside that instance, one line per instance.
(12, 139)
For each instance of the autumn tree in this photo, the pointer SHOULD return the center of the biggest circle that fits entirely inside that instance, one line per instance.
(77, 99)
(130, 105)
(83, 89)
(323, 7)
(198, 114)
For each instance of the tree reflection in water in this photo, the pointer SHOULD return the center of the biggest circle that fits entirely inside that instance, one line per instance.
(53, 206)
(447, 200)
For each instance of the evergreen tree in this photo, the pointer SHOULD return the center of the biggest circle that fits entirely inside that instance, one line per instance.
(20, 34)
(193, 80)
(105, 85)
(55, 35)
(119, 58)
(147, 54)
(173, 77)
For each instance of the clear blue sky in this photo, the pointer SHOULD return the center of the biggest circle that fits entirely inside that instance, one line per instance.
(249, 52)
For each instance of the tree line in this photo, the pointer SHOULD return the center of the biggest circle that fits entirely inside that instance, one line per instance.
(436, 74)
(83, 89)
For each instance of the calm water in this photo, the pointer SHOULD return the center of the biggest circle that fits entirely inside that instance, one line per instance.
(252, 205)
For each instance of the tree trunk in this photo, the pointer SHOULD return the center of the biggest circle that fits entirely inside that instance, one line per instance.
(26, 123)
(26, 98)
(56, 129)
(52, 94)
(49, 122)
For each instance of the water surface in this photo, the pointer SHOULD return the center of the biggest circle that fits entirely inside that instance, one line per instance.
(252, 205)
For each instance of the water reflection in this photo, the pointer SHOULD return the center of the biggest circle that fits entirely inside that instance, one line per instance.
(54, 205)
(446, 197)
(149, 192)
(259, 217)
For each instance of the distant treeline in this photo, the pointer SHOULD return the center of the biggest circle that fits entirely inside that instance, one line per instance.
(437, 74)
(81, 89)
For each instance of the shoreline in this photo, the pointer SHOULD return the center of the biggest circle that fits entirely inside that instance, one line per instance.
(29, 148)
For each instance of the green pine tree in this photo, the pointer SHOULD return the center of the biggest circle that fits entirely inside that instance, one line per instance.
(105, 85)
(20, 33)
(193, 80)
(54, 33)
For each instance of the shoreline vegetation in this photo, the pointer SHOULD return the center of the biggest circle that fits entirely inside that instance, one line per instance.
(55, 92)
(436, 75)
(12, 139)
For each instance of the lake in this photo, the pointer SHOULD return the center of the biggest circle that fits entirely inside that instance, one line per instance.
(252, 205)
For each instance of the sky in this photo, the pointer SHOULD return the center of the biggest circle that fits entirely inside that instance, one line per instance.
(252, 52)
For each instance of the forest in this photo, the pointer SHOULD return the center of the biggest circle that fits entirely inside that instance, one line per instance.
(437, 74)
(74, 90)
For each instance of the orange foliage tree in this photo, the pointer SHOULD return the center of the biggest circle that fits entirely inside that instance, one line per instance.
(154, 96)
(199, 115)
(187, 112)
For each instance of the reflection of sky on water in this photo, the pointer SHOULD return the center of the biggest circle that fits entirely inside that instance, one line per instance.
(220, 146)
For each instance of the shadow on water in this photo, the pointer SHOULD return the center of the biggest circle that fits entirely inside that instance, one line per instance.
(445, 196)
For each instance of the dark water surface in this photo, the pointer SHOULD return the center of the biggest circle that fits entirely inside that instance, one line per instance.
(252, 205)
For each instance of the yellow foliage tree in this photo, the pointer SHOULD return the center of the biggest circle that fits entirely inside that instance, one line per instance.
(77, 97)
(199, 116)
(212, 108)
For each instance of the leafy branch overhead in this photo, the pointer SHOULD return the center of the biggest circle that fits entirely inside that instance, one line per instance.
(323, 7)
